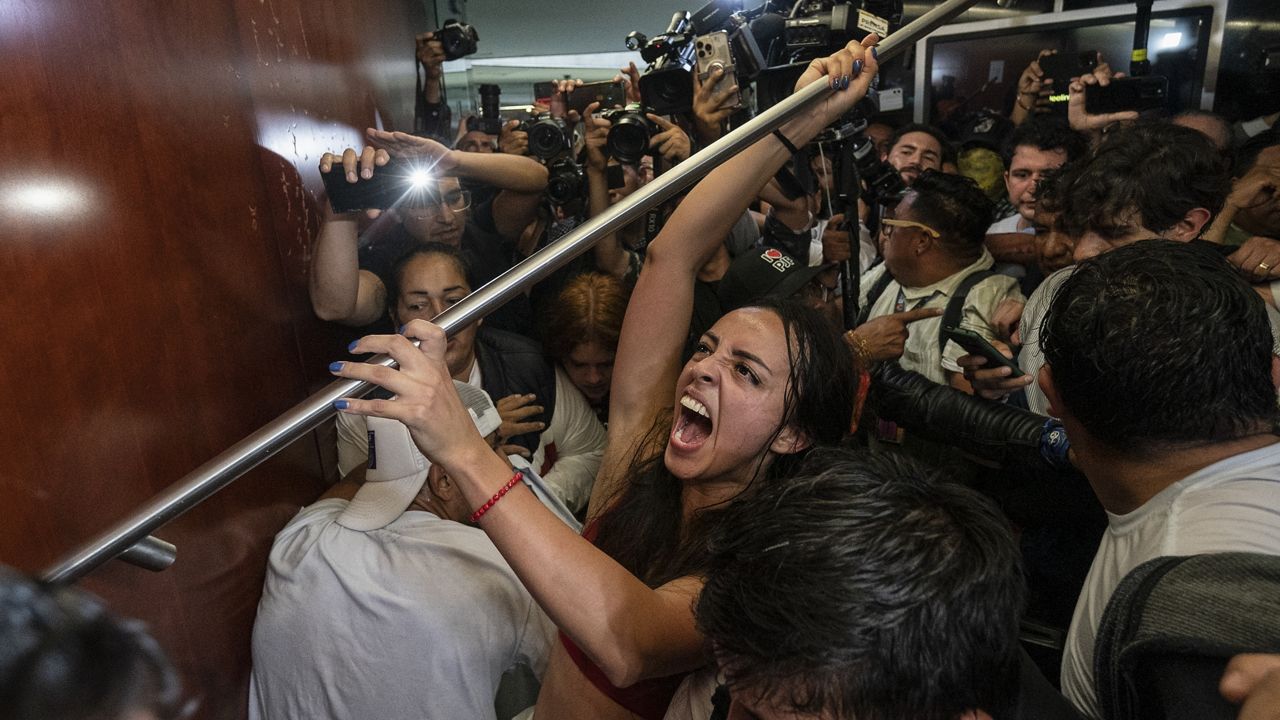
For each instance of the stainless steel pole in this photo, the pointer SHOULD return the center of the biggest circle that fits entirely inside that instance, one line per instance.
(242, 457)
(151, 553)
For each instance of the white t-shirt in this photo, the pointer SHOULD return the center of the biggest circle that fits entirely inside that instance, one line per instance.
(866, 245)
(418, 619)
(1011, 224)
(1230, 506)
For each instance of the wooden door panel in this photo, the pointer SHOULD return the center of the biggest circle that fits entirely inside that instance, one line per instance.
(159, 201)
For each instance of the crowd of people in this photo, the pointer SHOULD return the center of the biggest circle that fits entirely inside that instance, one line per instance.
(679, 479)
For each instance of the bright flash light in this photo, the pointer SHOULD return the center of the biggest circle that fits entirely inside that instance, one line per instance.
(418, 178)
(43, 198)
(1170, 41)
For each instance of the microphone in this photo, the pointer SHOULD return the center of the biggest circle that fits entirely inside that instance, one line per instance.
(767, 27)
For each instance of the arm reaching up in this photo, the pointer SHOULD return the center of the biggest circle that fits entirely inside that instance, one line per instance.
(657, 319)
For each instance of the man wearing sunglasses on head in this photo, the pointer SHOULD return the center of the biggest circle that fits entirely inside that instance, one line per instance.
(349, 272)
(934, 257)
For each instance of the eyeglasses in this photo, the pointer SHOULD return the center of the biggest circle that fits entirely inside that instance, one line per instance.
(457, 201)
(890, 223)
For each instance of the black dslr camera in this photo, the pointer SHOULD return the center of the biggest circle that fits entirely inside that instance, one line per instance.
(565, 181)
(549, 137)
(458, 38)
(628, 140)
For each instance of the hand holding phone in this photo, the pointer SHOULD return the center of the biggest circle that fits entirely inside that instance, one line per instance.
(388, 183)
(713, 53)
(1127, 94)
(1079, 116)
(384, 172)
(975, 344)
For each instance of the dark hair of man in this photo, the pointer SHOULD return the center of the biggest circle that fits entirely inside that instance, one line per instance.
(866, 587)
(937, 134)
(955, 206)
(1159, 345)
(1158, 170)
(1049, 190)
(643, 529)
(589, 308)
(1225, 137)
(423, 249)
(1248, 152)
(63, 656)
(1047, 134)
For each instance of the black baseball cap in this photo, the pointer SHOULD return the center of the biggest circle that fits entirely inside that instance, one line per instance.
(761, 273)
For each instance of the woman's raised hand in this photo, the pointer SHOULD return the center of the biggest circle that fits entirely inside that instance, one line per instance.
(425, 399)
(849, 72)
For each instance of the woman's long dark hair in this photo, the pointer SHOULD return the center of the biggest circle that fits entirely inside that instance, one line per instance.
(644, 527)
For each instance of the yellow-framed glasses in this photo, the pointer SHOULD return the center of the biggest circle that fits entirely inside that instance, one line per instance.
(890, 223)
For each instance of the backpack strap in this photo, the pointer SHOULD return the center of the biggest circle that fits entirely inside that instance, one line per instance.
(877, 289)
(955, 306)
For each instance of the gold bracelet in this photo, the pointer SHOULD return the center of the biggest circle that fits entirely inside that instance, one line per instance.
(859, 347)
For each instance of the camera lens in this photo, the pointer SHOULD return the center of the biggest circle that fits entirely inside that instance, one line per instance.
(547, 138)
(628, 140)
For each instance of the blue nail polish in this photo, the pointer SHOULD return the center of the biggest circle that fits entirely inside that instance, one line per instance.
(335, 366)
(835, 83)
(844, 83)
(341, 404)
(352, 346)
(874, 54)
(400, 330)
(857, 67)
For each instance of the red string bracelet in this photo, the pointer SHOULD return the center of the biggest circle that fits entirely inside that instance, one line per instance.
(475, 516)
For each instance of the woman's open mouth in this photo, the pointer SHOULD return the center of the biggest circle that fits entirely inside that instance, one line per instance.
(693, 424)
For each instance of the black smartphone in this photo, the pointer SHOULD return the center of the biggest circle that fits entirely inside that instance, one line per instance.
(975, 344)
(1149, 92)
(609, 94)
(390, 184)
(1061, 67)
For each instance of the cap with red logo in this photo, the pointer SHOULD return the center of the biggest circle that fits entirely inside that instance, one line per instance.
(756, 275)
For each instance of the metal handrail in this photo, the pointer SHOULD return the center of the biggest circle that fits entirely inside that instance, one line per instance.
(212, 476)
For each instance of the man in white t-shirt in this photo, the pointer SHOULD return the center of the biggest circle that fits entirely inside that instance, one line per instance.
(1158, 360)
(386, 605)
(1038, 147)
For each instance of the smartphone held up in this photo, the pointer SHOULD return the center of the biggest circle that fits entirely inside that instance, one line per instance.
(399, 181)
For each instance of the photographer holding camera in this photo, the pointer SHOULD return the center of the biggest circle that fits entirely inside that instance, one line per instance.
(666, 140)
(349, 279)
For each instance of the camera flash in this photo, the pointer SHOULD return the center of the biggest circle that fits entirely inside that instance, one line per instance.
(418, 178)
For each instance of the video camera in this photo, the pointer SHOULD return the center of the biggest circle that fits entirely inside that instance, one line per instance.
(666, 87)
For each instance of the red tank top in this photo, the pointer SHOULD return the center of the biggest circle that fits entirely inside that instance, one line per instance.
(648, 698)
